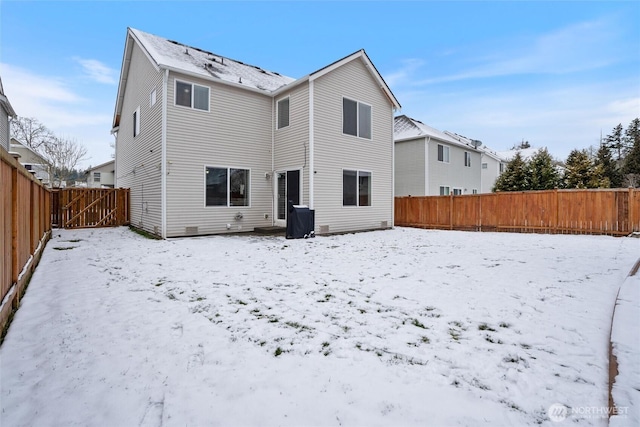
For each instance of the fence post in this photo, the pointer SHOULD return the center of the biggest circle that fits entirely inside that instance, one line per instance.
(14, 230)
(450, 211)
(630, 207)
(557, 219)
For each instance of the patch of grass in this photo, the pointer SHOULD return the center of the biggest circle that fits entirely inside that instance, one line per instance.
(273, 320)
(74, 240)
(455, 335)
(425, 340)
(362, 311)
(239, 301)
(65, 248)
(504, 325)
(485, 327)
(171, 296)
(525, 346)
(144, 233)
(416, 322)
(296, 325)
(278, 352)
(327, 344)
(327, 297)
(492, 340)
(457, 323)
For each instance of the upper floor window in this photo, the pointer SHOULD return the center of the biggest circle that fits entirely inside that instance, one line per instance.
(484, 166)
(356, 118)
(501, 167)
(192, 95)
(467, 159)
(283, 113)
(443, 153)
(136, 122)
(96, 177)
(152, 98)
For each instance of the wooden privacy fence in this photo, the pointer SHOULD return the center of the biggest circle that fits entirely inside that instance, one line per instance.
(25, 227)
(90, 207)
(603, 211)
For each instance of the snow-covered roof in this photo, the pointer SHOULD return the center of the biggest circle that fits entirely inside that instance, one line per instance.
(526, 153)
(407, 128)
(4, 101)
(113, 162)
(177, 56)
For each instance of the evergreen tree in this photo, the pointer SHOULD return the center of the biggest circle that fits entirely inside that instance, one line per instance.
(543, 173)
(609, 167)
(515, 177)
(615, 142)
(631, 168)
(582, 172)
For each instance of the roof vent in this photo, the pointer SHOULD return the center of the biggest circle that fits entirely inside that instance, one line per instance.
(240, 80)
(186, 50)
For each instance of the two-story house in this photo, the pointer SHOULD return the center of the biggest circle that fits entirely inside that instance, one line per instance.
(429, 162)
(6, 113)
(101, 176)
(31, 160)
(208, 144)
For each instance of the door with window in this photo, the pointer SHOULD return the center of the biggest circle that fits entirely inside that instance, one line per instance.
(287, 188)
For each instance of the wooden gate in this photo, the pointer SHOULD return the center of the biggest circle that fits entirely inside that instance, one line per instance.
(90, 207)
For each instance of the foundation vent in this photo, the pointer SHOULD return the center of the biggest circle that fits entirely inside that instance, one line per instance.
(324, 229)
(384, 224)
(190, 231)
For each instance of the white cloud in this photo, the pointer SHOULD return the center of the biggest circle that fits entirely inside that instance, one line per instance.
(97, 71)
(579, 47)
(57, 103)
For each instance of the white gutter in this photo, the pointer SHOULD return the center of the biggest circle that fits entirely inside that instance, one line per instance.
(426, 167)
(393, 170)
(163, 150)
(311, 146)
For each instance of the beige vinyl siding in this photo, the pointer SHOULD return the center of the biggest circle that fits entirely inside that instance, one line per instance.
(453, 174)
(410, 168)
(335, 151)
(4, 129)
(138, 160)
(236, 133)
(292, 142)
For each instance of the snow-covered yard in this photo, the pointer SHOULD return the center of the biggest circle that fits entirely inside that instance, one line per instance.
(401, 327)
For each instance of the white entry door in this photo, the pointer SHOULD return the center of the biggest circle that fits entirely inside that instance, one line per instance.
(287, 189)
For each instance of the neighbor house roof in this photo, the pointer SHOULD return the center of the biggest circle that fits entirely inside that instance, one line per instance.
(478, 144)
(14, 143)
(4, 101)
(407, 128)
(526, 153)
(113, 162)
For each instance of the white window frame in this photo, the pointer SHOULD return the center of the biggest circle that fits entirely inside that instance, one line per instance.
(153, 97)
(357, 135)
(136, 122)
(278, 113)
(96, 177)
(467, 159)
(446, 153)
(474, 191)
(228, 205)
(193, 94)
(457, 191)
(445, 190)
(358, 172)
(485, 166)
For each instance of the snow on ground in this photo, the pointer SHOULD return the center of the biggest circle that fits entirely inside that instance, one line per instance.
(404, 327)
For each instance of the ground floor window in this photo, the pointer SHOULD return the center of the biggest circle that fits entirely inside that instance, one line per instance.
(356, 188)
(226, 186)
(444, 190)
(457, 191)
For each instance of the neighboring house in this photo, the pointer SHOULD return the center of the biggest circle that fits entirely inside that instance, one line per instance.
(209, 145)
(429, 162)
(101, 176)
(31, 160)
(6, 113)
(491, 164)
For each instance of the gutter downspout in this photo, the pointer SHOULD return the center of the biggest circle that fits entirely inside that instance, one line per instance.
(273, 161)
(311, 146)
(393, 168)
(163, 150)
(427, 168)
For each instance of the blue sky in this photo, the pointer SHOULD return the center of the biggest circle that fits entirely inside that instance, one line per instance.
(553, 73)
